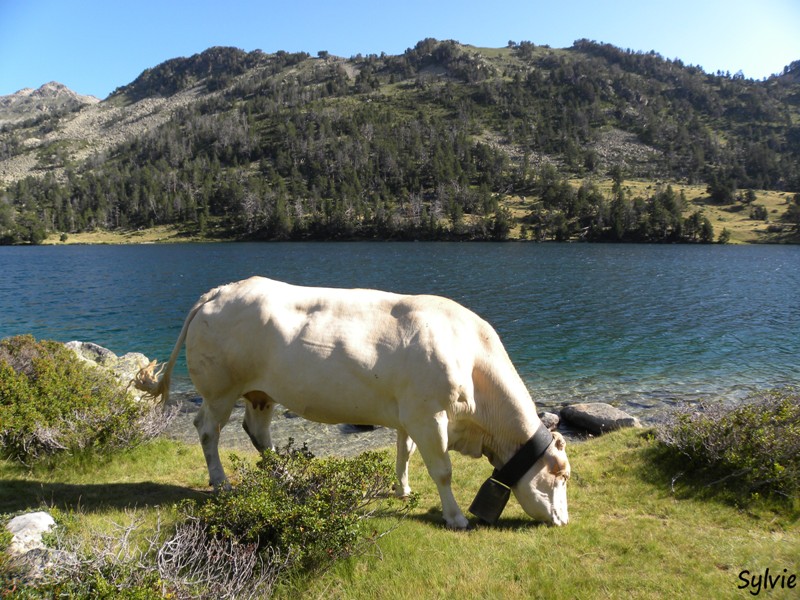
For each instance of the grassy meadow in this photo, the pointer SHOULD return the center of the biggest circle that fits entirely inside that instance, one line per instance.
(638, 529)
(735, 218)
(160, 234)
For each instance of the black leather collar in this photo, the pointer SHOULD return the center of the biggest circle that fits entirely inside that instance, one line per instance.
(523, 460)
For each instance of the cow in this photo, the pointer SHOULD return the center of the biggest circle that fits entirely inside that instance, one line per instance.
(423, 365)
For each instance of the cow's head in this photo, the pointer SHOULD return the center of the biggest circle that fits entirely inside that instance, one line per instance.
(542, 490)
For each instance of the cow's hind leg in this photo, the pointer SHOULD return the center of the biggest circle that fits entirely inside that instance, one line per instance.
(431, 439)
(257, 416)
(209, 421)
(405, 448)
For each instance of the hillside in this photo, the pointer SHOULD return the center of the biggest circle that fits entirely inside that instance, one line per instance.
(443, 141)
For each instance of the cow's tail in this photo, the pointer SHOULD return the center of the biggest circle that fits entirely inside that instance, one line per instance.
(154, 379)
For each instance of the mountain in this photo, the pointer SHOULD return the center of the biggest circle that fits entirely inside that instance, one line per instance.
(444, 140)
(51, 99)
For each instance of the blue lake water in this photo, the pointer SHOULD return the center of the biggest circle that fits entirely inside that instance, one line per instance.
(639, 326)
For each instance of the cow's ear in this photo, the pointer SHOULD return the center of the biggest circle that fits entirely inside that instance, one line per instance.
(561, 443)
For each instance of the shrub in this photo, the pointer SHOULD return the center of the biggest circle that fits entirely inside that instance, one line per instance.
(296, 505)
(754, 445)
(758, 212)
(289, 512)
(51, 402)
(129, 563)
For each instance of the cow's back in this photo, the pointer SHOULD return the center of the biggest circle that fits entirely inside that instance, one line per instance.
(332, 355)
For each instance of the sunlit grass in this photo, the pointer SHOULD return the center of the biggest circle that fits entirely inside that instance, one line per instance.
(160, 234)
(629, 535)
(633, 532)
(735, 218)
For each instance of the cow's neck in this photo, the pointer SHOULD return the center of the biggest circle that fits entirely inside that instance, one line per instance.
(506, 415)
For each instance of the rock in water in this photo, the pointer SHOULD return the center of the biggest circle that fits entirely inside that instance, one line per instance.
(550, 420)
(598, 417)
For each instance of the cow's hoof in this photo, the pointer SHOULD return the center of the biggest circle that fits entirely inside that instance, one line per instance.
(402, 492)
(460, 523)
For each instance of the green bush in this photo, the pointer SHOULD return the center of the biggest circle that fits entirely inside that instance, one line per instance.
(296, 505)
(288, 514)
(754, 445)
(51, 402)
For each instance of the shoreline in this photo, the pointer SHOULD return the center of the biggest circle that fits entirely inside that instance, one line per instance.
(734, 218)
(164, 235)
(350, 440)
(322, 439)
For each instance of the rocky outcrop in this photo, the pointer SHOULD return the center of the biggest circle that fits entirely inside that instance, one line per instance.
(51, 98)
(27, 531)
(597, 417)
(95, 128)
(124, 367)
(28, 552)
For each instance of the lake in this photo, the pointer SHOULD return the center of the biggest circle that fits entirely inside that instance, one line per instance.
(640, 326)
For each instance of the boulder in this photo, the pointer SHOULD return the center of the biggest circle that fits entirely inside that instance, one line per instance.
(29, 555)
(124, 367)
(550, 420)
(27, 531)
(598, 417)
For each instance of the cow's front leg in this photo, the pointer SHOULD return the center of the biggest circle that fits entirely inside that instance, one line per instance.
(209, 423)
(431, 439)
(405, 448)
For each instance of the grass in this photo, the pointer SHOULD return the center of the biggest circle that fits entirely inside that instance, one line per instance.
(160, 234)
(630, 535)
(744, 229)
(634, 532)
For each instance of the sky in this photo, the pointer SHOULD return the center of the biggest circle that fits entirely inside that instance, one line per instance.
(95, 46)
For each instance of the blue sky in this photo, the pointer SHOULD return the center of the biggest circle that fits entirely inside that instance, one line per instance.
(96, 46)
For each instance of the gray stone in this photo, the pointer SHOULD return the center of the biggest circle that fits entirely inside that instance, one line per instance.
(550, 420)
(93, 353)
(41, 563)
(124, 368)
(27, 531)
(598, 417)
(29, 556)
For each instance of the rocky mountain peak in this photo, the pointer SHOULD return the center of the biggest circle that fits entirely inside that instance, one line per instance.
(52, 89)
(52, 97)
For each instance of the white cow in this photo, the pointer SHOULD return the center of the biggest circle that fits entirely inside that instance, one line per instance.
(423, 365)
